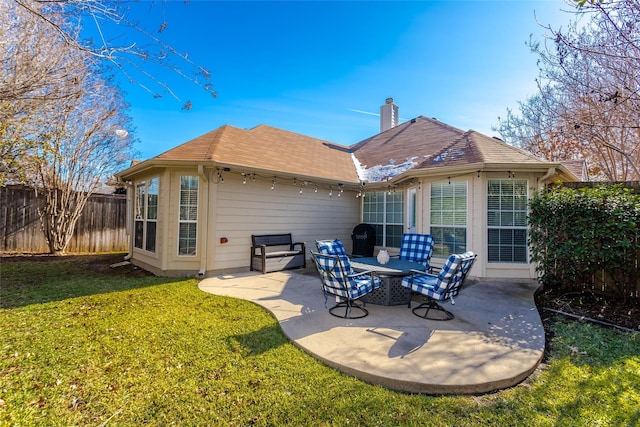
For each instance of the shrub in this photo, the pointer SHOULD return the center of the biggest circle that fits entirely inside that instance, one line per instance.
(580, 237)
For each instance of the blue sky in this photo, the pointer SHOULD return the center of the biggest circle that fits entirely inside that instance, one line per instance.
(324, 68)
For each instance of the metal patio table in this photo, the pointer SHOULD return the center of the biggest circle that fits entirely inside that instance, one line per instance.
(391, 291)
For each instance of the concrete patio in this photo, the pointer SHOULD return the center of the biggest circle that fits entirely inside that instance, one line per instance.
(495, 341)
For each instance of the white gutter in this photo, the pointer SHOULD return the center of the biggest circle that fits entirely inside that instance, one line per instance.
(205, 230)
(549, 174)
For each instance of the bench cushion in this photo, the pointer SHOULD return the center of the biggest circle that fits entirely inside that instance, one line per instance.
(276, 254)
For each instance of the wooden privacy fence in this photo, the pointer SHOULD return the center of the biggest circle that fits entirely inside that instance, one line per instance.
(100, 228)
(602, 281)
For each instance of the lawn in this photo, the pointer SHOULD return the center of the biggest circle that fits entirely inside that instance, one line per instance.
(82, 344)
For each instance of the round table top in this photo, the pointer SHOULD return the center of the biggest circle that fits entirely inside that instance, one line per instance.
(395, 266)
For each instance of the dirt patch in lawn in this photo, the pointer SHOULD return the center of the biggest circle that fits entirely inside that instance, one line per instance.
(107, 264)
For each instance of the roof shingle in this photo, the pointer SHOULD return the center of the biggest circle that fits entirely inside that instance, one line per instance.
(268, 148)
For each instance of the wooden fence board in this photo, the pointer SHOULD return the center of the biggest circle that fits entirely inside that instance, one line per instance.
(100, 228)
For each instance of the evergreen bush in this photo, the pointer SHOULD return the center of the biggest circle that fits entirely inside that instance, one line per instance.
(583, 237)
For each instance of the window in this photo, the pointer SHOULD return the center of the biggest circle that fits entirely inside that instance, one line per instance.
(507, 220)
(152, 215)
(146, 215)
(384, 211)
(449, 217)
(188, 216)
(140, 214)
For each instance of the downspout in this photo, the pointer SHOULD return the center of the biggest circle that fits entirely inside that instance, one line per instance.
(205, 232)
(130, 221)
(549, 174)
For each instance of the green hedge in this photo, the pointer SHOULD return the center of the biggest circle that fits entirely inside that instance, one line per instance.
(578, 235)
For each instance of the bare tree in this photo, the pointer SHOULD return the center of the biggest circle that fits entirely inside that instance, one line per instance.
(64, 125)
(87, 143)
(588, 103)
(132, 59)
(83, 141)
(35, 74)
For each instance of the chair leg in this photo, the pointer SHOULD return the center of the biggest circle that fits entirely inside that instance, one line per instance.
(429, 305)
(348, 305)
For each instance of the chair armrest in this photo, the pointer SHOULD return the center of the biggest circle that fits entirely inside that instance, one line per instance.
(433, 268)
(362, 273)
(262, 249)
(301, 244)
(422, 273)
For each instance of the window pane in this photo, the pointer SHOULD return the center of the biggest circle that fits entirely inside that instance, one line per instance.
(379, 234)
(520, 219)
(394, 236)
(150, 243)
(187, 239)
(493, 237)
(152, 199)
(449, 240)
(519, 254)
(139, 205)
(138, 234)
(506, 219)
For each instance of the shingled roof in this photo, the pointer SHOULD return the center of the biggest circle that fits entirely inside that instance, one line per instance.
(271, 149)
(418, 144)
(424, 143)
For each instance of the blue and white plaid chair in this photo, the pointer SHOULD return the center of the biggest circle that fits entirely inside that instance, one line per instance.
(331, 247)
(348, 287)
(440, 287)
(417, 248)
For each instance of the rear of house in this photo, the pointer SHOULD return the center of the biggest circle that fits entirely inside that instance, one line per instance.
(195, 207)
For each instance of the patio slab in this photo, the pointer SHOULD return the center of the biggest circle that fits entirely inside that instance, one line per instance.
(495, 341)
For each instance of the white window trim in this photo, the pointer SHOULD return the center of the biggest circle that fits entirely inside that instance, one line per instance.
(188, 221)
(466, 211)
(514, 227)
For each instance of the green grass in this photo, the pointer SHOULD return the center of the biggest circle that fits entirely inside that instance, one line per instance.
(81, 345)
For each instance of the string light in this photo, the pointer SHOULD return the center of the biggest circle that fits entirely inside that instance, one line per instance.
(358, 189)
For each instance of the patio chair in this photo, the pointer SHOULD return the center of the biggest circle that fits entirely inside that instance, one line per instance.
(417, 248)
(445, 285)
(331, 247)
(338, 279)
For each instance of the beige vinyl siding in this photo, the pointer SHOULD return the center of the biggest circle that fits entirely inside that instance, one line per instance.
(240, 210)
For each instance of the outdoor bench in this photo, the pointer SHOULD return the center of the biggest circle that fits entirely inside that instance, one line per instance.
(275, 252)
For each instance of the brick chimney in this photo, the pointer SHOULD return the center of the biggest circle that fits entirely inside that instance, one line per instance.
(388, 115)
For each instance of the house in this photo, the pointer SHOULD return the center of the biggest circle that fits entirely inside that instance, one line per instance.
(195, 207)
